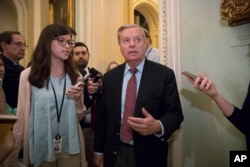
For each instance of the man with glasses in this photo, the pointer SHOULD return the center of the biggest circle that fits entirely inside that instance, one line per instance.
(12, 48)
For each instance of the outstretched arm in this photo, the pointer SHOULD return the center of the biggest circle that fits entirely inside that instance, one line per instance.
(206, 86)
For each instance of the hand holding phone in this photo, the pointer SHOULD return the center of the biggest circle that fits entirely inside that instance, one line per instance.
(97, 77)
(189, 75)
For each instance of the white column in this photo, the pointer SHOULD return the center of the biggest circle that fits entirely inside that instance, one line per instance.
(170, 56)
(96, 23)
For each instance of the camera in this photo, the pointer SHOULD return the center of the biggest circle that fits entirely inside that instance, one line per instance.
(96, 75)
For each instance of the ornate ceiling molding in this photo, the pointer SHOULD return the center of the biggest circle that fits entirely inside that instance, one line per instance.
(235, 11)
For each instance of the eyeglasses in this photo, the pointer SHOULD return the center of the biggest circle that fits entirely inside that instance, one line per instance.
(20, 44)
(63, 41)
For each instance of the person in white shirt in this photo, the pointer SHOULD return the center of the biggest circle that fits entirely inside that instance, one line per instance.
(151, 53)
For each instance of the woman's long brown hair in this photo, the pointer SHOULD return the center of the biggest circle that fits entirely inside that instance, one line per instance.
(41, 57)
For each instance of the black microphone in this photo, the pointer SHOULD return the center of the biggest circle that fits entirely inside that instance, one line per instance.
(95, 74)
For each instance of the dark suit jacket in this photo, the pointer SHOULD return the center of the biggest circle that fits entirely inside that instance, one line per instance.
(158, 93)
(11, 81)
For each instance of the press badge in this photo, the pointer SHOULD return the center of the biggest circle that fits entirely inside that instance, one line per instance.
(57, 142)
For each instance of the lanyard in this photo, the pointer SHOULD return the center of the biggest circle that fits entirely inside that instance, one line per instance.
(59, 112)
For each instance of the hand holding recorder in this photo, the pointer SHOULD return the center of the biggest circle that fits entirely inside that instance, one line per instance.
(76, 91)
(94, 81)
(93, 74)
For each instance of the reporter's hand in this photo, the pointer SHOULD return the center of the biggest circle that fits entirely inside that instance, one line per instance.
(93, 87)
(98, 160)
(204, 84)
(75, 92)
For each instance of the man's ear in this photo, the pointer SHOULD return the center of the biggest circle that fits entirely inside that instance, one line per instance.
(3, 44)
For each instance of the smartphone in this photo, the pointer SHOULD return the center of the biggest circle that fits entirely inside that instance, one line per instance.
(97, 77)
(189, 75)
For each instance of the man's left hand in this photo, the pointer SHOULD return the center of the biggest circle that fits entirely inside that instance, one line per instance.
(145, 126)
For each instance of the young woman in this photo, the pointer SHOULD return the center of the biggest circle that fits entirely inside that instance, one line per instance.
(49, 105)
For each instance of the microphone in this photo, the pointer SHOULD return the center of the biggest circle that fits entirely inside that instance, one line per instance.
(93, 73)
(83, 79)
(96, 75)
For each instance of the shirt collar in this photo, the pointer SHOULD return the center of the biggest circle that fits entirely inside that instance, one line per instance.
(139, 67)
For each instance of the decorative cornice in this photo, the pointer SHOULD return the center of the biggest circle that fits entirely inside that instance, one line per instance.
(235, 11)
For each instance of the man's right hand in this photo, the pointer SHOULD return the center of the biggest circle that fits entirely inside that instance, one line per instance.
(98, 160)
(93, 87)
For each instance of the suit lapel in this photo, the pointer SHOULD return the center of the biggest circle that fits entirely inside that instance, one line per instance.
(145, 86)
(117, 89)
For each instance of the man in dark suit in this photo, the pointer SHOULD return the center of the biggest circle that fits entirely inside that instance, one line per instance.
(81, 56)
(157, 113)
(12, 46)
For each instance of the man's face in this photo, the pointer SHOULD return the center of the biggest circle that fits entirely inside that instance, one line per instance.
(16, 49)
(132, 44)
(81, 56)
